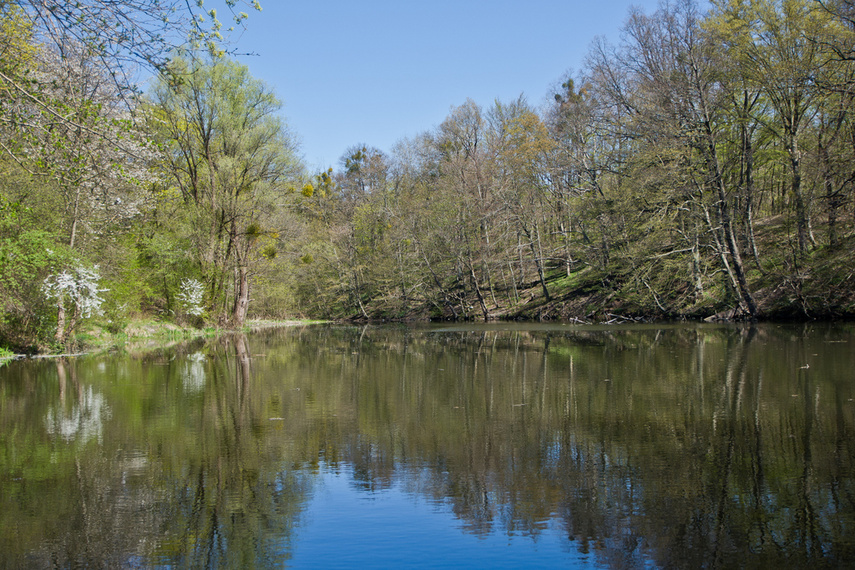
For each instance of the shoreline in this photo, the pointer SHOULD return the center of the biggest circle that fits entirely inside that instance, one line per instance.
(151, 335)
(147, 335)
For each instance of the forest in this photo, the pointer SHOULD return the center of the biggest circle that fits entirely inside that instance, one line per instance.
(702, 167)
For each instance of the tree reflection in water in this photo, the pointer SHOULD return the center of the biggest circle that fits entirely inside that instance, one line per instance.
(673, 446)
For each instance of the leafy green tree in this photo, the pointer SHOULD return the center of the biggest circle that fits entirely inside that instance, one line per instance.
(364, 202)
(835, 145)
(96, 160)
(231, 157)
(577, 168)
(466, 172)
(30, 250)
(665, 76)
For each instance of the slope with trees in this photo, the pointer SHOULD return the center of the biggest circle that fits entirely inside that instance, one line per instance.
(702, 167)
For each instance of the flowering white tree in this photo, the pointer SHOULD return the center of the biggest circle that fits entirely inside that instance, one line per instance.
(78, 286)
(190, 296)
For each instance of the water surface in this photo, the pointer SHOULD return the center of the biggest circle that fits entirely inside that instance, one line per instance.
(496, 445)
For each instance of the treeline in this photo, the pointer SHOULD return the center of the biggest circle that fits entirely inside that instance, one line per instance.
(702, 166)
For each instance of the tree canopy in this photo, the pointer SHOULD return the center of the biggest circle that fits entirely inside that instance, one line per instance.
(700, 167)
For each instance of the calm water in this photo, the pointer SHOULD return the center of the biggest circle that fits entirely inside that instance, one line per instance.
(678, 446)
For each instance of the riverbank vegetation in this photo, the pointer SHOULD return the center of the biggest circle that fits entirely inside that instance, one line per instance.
(702, 167)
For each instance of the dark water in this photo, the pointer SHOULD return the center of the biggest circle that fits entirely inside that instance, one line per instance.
(678, 446)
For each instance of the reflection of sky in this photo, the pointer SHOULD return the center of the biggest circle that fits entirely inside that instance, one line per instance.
(344, 526)
(84, 422)
(193, 375)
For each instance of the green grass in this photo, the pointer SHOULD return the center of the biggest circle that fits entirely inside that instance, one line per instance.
(561, 281)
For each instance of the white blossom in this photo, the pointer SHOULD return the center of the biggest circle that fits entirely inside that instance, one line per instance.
(80, 285)
(191, 296)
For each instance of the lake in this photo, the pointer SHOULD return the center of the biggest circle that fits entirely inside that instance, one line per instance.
(456, 445)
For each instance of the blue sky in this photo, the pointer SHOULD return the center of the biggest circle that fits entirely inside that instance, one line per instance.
(377, 71)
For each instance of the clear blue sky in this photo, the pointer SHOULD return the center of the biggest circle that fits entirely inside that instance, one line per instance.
(377, 71)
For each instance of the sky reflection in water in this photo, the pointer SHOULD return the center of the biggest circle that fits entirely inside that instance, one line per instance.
(500, 445)
(348, 527)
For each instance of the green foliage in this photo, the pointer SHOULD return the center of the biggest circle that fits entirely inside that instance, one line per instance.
(73, 195)
(655, 167)
(28, 254)
(229, 162)
(700, 164)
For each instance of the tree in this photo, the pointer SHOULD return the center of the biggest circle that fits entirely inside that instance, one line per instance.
(68, 117)
(781, 41)
(666, 76)
(577, 164)
(835, 143)
(230, 155)
(364, 199)
(466, 179)
(95, 156)
(523, 146)
(84, 157)
(125, 39)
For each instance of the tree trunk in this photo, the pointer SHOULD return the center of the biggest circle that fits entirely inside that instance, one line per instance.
(534, 244)
(477, 288)
(696, 265)
(831, 196)
(722, 252)
(733, 250)
(746, 300)
(358, 295)
(241, 305)
(568, 257)
(449, 305)
(485, 267)
(748, 190)
(799, 200)
(59, 337)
